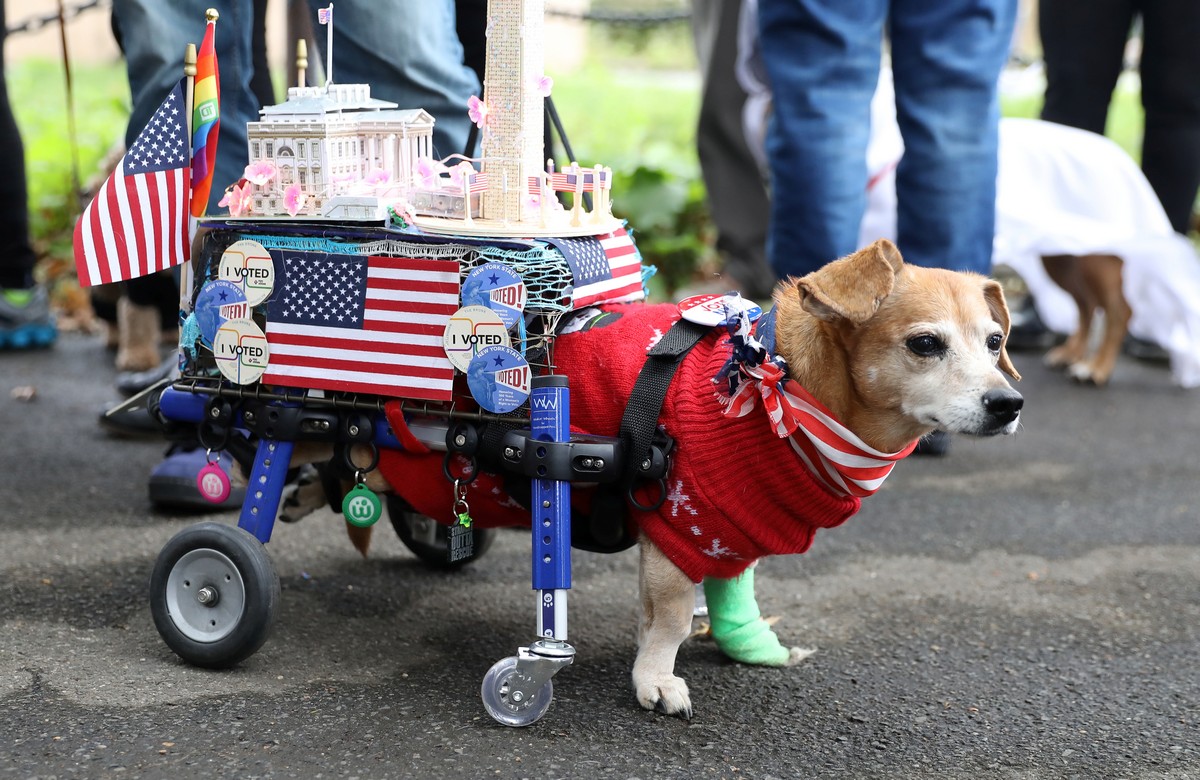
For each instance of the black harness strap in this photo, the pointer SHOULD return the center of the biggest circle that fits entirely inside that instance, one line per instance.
(639, 425)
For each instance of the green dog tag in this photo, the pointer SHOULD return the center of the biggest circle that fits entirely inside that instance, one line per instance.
(361, 506)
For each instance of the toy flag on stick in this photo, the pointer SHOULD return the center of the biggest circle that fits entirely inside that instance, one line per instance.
(325, 17)
(138, 222)
(206, 121)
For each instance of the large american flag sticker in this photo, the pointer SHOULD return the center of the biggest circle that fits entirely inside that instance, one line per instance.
(362, 324)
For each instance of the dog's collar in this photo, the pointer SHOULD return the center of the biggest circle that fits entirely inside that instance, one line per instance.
(837, 457)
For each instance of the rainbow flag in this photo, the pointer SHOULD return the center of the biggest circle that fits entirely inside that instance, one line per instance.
(206, 122)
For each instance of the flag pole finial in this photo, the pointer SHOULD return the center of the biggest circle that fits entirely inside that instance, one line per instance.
(211, 15)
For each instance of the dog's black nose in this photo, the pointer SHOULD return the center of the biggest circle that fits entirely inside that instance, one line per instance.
(1003, 404)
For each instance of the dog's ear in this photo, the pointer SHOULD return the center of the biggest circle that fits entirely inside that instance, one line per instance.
(852, 288)
(993, 293)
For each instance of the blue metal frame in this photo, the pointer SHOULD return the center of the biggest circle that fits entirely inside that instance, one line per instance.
(550, 420)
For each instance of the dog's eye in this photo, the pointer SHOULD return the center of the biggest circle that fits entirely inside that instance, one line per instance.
(995, 341)
(926, 345)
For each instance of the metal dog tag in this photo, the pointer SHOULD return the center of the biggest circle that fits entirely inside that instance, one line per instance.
(462, 541)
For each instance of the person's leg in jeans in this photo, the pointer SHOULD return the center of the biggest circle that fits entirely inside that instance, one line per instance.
(1171, 95)
(946, 59)
(822, 57)
(155, 36)
(410, 54)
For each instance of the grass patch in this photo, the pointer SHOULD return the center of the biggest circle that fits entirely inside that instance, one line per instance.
(37, 90)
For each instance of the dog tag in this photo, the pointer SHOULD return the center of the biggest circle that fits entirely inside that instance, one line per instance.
(213, 483)
(462, 539)
(361, 506)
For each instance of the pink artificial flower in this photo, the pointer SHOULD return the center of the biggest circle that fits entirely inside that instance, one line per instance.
(457, 173)
(377, 178)
(543, 86)
(294, 199)
(478, 111)
(429, 172)
(259, 172)
(238, 198)
(403, 210)
(533, 201)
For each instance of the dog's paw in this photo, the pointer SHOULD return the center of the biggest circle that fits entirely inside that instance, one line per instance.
(1086, 374)
(667, 694)
(303, 498)
(1059, 358)
(798, 654)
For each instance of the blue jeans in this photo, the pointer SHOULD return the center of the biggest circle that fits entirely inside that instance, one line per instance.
(410, 54)
(155, 34)
(407, 50)
(823, 59)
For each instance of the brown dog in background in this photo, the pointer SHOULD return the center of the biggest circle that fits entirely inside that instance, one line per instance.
(1094, 282)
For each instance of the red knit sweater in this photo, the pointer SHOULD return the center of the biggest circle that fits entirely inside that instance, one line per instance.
(736, 491)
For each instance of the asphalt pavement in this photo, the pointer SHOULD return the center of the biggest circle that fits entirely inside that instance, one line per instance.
(1027, 607)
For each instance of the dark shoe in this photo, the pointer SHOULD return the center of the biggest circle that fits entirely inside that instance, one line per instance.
(136, 417)
(129, 423)
(173, 481)
(133, 382)
(1144, 349)
(935, 444)
(1028, 333)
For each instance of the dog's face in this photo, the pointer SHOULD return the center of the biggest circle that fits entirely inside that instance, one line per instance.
(924, 345)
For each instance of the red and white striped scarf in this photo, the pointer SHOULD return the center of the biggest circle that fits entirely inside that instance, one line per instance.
(840, 460)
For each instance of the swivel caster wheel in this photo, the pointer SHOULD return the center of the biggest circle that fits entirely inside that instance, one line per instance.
(507, 704)
(214, 595)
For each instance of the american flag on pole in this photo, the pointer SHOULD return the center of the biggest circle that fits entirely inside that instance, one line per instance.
(362, 324)
(138, 222)
(476, 182)
(584, 180)
(535, 185)
(605, 269)
(324, 15)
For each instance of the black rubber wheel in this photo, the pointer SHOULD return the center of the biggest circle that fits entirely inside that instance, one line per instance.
(428, 539)
(214, 595)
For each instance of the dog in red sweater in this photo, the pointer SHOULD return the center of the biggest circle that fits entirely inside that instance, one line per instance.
(862, 358)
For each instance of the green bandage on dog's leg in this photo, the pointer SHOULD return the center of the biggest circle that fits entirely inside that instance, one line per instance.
(738, 627)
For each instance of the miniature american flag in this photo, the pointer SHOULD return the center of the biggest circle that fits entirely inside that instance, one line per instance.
(362, 324)
(138, 222)
(477, 182)
(585, 180)
(324, 15)
(606, 269)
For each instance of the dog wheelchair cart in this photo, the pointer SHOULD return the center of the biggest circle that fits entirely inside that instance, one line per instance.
(262, 372)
